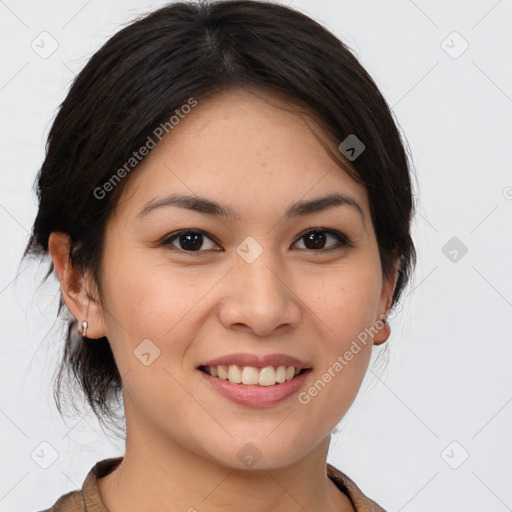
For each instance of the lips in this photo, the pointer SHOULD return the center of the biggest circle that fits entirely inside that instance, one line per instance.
(257, 395)
(255, 380)
(256, 361)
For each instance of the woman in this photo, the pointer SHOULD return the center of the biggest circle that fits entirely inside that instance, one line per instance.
(227, 202)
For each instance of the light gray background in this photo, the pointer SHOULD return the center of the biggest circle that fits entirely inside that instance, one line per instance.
(449, 376)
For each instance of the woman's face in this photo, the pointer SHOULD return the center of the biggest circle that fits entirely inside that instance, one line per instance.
(256, 284)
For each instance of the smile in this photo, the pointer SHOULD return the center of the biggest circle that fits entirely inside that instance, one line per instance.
(251, 375)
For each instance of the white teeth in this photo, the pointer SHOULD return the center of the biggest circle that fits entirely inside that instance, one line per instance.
(267, 376)
(222, 372)
(281, 374)
(234, 374)
(250, 375)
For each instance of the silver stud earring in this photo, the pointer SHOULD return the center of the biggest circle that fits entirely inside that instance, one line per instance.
(84, 328)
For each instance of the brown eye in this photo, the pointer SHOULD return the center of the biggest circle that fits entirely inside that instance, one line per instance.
(316, 239)
(188, 240)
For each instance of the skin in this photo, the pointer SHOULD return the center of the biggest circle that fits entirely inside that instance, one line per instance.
(241, 149)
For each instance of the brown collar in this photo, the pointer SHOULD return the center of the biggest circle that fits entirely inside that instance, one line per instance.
(93, 502)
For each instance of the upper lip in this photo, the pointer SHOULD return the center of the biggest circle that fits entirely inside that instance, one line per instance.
(241, 359)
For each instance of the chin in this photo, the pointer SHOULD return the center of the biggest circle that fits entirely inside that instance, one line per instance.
(259, 452)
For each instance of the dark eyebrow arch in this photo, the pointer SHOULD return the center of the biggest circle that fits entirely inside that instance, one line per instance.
(209, 207)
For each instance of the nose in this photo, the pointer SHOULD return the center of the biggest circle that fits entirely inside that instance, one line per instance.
(259, 297)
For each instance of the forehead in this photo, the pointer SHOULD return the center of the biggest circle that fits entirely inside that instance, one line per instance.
(248, 149)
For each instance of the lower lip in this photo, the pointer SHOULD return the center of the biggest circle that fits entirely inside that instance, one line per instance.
(257, 396)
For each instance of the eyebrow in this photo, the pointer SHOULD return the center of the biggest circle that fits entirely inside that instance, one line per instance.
(209, 207)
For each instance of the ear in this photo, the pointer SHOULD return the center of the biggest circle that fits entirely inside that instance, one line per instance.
(386, 297)
(75, 287)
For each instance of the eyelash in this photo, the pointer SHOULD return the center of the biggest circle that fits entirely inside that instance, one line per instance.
(343, 240)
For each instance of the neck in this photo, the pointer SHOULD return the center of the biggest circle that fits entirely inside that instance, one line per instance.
(158, 473)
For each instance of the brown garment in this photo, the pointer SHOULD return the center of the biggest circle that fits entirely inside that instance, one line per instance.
(89, 500)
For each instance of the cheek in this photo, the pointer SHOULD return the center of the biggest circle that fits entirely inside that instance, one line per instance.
(148, 296)
(143, 302)
(149, 329)
(344, 310)
(346, 300)
(155, 302)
